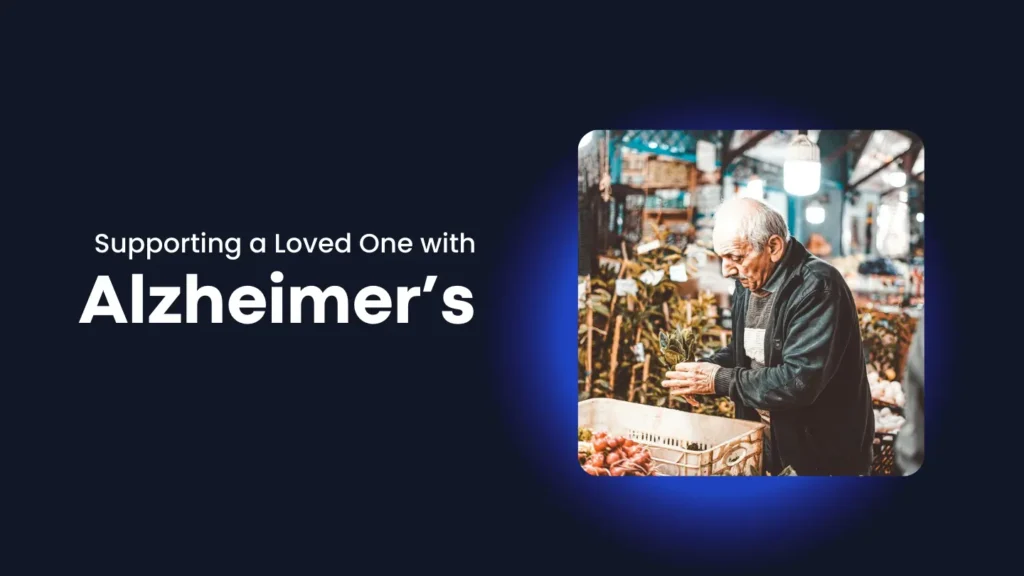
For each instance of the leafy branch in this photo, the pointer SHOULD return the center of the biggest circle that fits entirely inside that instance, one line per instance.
(621, 352)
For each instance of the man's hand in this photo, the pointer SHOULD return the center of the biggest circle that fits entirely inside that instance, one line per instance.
(691, 378)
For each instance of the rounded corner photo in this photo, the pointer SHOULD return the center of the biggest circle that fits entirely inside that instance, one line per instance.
(750, 302)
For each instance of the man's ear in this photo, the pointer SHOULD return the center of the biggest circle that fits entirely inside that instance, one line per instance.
(776, 246)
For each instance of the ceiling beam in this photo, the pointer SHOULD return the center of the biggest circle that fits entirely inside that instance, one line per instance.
(851, 144)
(898, 188)
(882, 167)
(913, 137)
(891, 190)
(911, 159)
(726, 142)
(859, 151)
(729, 156)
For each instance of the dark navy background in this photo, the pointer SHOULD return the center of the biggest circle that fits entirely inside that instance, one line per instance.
(293, 447)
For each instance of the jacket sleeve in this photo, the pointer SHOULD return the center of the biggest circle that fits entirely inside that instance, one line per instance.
(814, 342)
(724, 357)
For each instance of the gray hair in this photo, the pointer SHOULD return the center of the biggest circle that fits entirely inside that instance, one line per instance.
(754, 221)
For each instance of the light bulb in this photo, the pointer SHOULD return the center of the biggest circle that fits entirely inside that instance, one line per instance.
(587, 138)
(801, 177)
(896, 179)
(920, 217)
(652, 145)
(801, 173)
(815, 213)
(753, 189)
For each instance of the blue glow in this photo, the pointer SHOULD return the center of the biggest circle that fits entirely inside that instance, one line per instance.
(712, 519)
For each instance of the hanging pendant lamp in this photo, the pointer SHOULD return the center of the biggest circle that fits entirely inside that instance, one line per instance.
(801, 173)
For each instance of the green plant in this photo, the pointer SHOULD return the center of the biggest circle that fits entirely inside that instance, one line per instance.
(715, 406)
(594, 344)
(680, 345)
(635, 370)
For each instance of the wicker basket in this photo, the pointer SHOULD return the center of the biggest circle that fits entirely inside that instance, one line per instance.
(681, 443)
(884, 463)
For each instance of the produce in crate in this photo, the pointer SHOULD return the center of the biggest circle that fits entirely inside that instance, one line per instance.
(886, 337)
(681, 443)
(888, 392)
(886, 421)
(607, 455)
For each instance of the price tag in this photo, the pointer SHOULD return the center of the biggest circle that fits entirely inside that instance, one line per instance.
(652, 278)
(700, 258)
(625, 287)
(706, 155)
(638, 351)
(648, 246)
(677, 273)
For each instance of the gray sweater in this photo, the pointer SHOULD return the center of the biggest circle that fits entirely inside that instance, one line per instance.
(754, 327)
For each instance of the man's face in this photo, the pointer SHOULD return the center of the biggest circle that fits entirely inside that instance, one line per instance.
(742, 262)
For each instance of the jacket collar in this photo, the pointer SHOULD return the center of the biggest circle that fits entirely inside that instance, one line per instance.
(790, 265)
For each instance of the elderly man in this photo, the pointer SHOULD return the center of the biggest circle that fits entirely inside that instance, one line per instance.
(795, 359)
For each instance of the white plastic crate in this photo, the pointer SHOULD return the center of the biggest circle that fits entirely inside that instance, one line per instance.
(681, 443)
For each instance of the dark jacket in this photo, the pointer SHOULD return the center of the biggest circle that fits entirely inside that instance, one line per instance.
(814, 381)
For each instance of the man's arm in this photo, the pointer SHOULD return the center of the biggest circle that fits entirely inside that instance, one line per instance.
(813, 338)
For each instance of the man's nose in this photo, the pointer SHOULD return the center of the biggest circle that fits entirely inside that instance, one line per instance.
(727, 270)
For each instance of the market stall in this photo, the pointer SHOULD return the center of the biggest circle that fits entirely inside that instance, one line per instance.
(651, 290)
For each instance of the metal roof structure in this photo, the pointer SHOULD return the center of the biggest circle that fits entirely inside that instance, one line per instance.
(878, 161)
